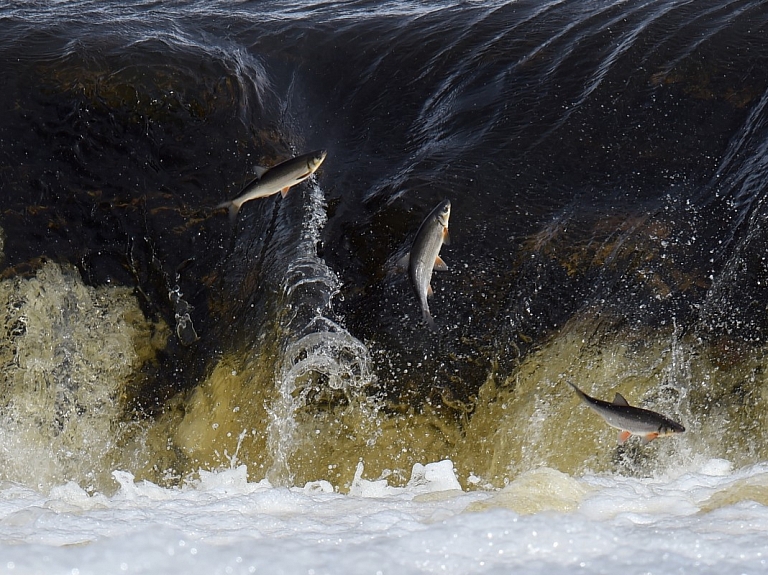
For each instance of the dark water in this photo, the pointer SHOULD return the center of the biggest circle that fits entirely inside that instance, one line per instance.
(606, 163)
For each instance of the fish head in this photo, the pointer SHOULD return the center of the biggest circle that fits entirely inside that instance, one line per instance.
(315, 159)
(443, 212)
(670, 427)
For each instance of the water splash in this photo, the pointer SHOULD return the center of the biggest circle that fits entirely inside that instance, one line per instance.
(321, 366)
(324, 363)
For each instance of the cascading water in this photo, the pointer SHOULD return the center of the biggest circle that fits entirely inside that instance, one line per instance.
(179, 392)
(70, 353)
(321, 359)
(606, 168)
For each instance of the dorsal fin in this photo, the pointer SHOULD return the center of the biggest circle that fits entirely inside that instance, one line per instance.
(260, 171)
(619, 400)
(402, 264)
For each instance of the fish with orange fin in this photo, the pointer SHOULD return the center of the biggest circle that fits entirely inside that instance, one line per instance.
(424, 256)
(279, 178)
(630, 420)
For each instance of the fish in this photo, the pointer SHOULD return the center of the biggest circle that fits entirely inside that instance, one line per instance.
(424, 256)
(631, 420)
(278, 178)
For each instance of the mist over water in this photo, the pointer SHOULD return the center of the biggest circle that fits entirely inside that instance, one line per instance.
(606, 165)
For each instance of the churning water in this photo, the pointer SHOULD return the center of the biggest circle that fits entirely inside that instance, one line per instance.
(606, 165)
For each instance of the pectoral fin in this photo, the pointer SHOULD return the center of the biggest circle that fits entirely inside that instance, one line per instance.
(440, 265)
(446, 237)
(623, 436)
(649, 437)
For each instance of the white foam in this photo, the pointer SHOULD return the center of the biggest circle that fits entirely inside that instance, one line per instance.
(221, 523)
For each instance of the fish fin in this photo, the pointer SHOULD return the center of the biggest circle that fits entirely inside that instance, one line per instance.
(429, 320)
(583, 396)
(647, 438)
(623, 436)
(573, 385)
(259, 171)
(402, 264)
(233, 209)
(619, 400)
(440, 265)
(284, 191)
(446, 237)
(430, 293)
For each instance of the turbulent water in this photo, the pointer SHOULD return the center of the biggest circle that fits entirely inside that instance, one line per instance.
(705, 520)
(606, 163)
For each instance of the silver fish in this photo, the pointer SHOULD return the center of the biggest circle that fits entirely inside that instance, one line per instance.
(278, 178)
(631, 420)
(425, 255)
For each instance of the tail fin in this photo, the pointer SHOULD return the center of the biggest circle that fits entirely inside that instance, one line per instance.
(427, 317)
(233, 209)
(581, 394)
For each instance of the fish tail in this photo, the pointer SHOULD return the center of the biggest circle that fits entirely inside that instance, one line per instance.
(428, 319)
(233, 209)
(580, 393)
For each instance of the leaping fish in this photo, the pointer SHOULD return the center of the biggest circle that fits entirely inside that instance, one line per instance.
(425, 255)
(278, 178)
(631, 420)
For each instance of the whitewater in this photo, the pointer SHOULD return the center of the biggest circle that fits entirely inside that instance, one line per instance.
(702, 520)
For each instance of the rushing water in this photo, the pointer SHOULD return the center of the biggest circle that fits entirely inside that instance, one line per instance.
(606, 164)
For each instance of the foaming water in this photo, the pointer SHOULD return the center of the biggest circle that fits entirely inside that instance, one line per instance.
(703, 518)
(71, 355)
